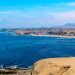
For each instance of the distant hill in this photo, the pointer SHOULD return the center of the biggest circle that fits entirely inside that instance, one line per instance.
(68, 25)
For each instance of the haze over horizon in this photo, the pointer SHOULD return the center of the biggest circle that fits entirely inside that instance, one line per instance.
(36, 13)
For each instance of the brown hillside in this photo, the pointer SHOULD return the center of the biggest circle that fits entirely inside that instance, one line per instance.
(55, 66)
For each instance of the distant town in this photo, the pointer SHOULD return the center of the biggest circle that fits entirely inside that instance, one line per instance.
(42, 31)
(55, 31)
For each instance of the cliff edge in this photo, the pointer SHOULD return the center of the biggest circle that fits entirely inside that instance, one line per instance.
(54, 66)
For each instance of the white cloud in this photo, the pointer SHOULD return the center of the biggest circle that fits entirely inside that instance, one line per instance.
(27, 18)
(64, 17)
(71, 4)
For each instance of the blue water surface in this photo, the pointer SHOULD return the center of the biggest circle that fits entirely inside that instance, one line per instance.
(25, 50)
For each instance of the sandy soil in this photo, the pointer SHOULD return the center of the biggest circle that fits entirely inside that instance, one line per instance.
(55, 66)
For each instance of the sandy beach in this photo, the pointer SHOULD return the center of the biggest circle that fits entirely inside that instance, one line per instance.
(60, 36)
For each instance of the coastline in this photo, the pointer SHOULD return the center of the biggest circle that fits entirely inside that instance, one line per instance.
(59, 36)
(49, 66)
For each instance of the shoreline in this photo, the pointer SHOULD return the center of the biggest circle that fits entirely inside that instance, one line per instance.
(54, 66)
(59, 36)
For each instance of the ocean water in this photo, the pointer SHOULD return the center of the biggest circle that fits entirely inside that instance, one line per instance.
(25, 50)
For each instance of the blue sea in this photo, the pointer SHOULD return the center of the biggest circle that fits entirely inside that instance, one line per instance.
(25, 50)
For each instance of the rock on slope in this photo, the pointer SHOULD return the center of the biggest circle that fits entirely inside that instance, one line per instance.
(54, 66)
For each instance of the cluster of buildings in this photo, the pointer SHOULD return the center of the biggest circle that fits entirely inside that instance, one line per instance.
(46, 31)
(43, 31)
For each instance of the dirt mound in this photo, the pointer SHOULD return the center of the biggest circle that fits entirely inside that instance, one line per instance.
(56, 66)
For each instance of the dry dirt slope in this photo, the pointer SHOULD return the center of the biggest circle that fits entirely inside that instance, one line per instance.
(55, 66)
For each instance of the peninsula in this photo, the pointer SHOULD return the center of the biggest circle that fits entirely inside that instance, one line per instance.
(52, 32)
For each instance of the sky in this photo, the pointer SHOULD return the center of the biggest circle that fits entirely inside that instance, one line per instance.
(36, 13)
